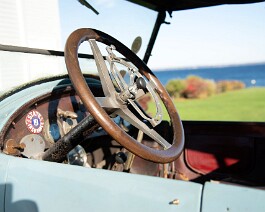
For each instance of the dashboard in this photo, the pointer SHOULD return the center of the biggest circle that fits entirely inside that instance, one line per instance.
(42, 119)
(40, 122)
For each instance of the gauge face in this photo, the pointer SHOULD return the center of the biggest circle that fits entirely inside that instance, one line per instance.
(53, 131)
(33, 144)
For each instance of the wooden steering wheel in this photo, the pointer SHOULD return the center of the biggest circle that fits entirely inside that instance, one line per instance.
(120, 96)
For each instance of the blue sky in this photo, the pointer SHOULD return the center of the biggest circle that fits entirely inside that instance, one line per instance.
(216, 36)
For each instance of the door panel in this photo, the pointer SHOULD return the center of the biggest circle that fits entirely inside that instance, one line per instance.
(230, 151)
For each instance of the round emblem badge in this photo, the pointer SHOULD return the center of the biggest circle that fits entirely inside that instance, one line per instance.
(34, 122)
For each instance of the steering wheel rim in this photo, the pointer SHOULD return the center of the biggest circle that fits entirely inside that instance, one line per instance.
(100, 115)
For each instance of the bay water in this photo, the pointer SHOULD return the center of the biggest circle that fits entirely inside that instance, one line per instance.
(251, 74)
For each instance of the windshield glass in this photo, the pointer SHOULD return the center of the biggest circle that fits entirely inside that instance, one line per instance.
(211, 60)
(47, 24)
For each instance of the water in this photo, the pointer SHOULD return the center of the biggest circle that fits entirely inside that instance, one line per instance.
(244, 73)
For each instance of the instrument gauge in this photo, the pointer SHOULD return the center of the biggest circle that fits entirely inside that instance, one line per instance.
(32, 145)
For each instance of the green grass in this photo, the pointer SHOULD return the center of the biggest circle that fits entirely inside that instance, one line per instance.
(241, 105)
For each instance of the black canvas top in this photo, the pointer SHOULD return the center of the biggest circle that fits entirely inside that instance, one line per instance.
(175, 5)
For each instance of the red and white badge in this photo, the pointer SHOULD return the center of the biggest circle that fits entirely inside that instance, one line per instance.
(34, 122)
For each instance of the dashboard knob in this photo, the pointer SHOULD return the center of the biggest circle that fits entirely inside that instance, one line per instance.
(121, 157)
(140, 83)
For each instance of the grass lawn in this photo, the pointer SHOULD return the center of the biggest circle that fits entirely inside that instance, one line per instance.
(241, 105)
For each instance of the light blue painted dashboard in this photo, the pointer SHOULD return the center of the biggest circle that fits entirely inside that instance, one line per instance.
(39, 186)
(31, 185)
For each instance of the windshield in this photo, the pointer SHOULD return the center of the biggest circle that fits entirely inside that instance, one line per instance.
(47, 24)
(207, 51)
(212, 62)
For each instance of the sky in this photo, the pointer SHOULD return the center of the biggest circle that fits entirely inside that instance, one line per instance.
(214, 36)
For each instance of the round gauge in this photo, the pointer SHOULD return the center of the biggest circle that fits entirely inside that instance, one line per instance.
(53, 131)
(33, 145)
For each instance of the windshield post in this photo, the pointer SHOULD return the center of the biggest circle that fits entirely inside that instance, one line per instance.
(159, 20)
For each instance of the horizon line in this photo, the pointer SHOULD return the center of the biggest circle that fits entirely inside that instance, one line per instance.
(208, 66)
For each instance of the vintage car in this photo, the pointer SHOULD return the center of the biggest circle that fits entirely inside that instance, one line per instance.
(83, 142)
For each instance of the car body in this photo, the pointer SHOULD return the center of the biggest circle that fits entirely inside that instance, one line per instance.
(47, 124)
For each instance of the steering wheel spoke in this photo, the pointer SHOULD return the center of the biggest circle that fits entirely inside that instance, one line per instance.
(108, 103)
(107, 85)
(127, 115)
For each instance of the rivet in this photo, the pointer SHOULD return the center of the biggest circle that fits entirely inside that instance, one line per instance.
(175, 202)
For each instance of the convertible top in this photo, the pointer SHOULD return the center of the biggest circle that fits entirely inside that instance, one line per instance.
(175, 5)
